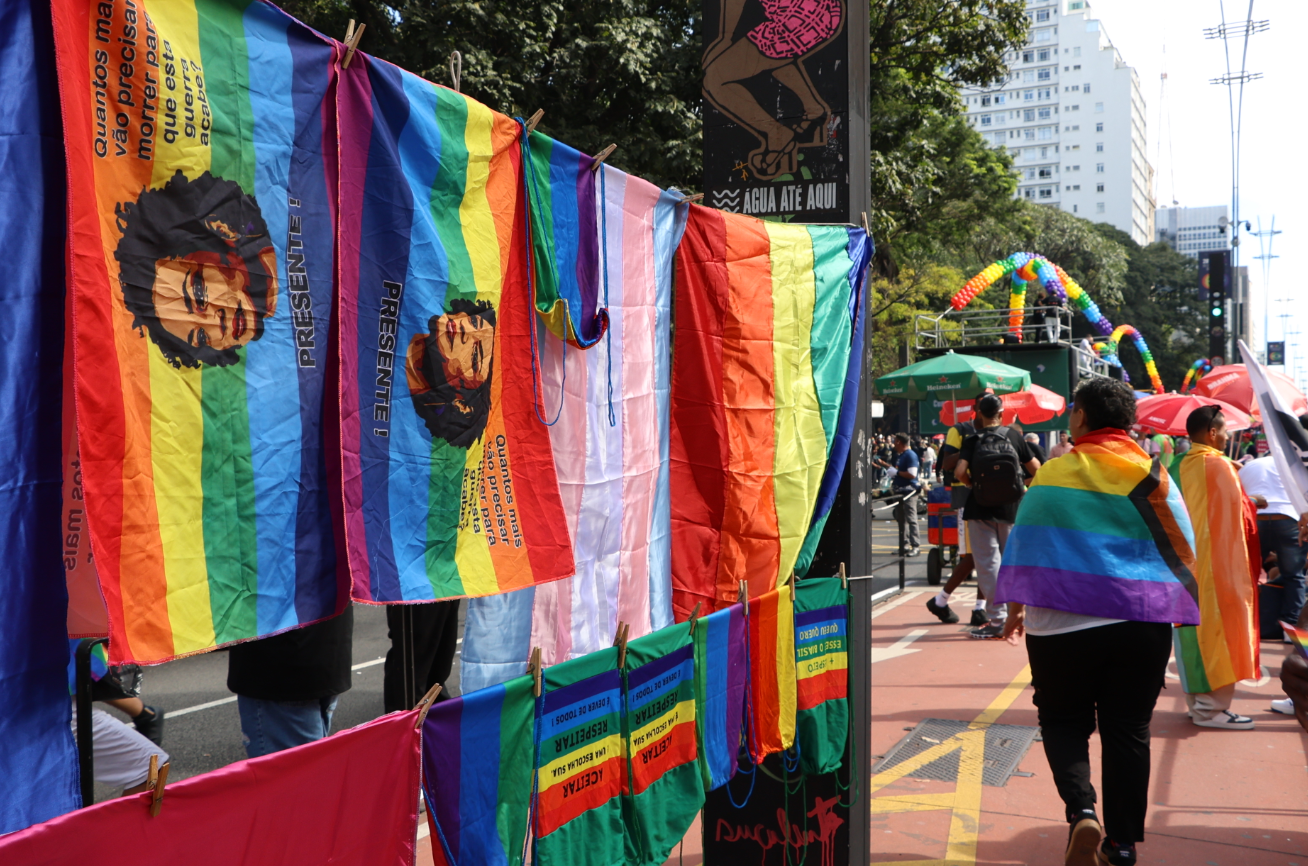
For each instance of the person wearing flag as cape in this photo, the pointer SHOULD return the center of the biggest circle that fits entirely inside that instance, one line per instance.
(1099, 565)
(1223, 649)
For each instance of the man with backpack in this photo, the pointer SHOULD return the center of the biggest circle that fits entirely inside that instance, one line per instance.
(994, 465)
(905, 483)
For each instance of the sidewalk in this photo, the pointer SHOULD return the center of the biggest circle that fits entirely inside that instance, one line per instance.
(1219, 798)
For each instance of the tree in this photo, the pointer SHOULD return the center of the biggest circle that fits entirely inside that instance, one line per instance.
(620, 71)
(1160, 298)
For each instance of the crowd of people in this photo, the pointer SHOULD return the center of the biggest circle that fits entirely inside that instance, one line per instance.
(1112, 552)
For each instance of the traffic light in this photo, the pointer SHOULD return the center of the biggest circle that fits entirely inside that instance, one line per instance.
(1213, 287)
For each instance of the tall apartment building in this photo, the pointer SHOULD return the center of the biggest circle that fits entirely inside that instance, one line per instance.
(1190, 230)
(1073, 116)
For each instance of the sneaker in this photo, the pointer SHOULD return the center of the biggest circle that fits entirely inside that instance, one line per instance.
(1228, 720)
(150, 724)
(941, 611)
(1284, 706)
(1117, 854)
(1083, 842)
(917, 551)
(980, 617)
(993, 631)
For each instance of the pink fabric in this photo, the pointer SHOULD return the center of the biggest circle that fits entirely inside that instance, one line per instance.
(349, 799)
(796, 27)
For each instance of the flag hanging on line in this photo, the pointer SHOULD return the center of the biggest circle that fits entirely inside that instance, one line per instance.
(201, 251)
(720, 681)
(477, 774)
(666, 789)
(772, 687)
(765, 319)
(821, 673)
(449, 481)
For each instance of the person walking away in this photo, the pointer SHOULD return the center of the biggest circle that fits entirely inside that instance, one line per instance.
(1062, 446)
(991, 465)
(1033, 442)
(905, 483)
(287, 685)
(1166, 449)
(928, 458)
(1223, 649)
(964, 565)
(1099, 565)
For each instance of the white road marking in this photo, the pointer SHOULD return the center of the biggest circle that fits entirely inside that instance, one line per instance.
(899, 648)
(172, 714)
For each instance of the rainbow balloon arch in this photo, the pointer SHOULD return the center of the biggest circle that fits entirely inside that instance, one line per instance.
(1197, 371)
(1026, 268)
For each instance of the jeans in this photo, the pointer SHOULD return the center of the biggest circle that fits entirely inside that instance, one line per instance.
(271, 726)
(985, 541)
(1282, 538)
(910, 537)
(1113, 673)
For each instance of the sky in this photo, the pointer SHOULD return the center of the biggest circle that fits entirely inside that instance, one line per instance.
(1189, 138)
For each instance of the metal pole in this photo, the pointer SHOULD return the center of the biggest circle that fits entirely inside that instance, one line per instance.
(860, 708)
(903, 525)
(85, 747)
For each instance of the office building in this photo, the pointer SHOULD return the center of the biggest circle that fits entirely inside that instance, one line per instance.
(1189, 230)
(1072, 114)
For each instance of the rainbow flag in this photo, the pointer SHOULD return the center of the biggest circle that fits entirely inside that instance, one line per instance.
(199, 142)
(721, 672)
(477, 774)
(1223, 648)
(661, 744)
(1103, 531)
(449, 481)
(581, 762)
(765, 318)
(1298, 636)
(771, 701)
(565, 240)
(821, 673)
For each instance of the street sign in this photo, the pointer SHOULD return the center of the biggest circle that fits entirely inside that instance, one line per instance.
(782, 137)
(1276, 353)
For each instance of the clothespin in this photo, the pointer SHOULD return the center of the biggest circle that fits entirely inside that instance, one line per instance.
(699, 196)
(425, 704)
(533, 668)
(155, 784)
(844, 579)
(744, 595)
(352, 37)
(694, 616)
(620, 641)
(534, 119)
(603, 155)
(456, 70)
(865, 225)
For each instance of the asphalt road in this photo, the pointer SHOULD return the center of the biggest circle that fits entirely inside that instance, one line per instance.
(206, 736)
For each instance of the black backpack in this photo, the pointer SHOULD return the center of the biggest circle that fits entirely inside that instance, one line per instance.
(996, 470)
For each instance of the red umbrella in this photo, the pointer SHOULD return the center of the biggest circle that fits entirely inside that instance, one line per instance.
(1033, 406)
(1167, 413)
(1230, 384)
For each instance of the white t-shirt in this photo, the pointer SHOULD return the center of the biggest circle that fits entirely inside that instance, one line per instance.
(1044, 621)
(1261, 478)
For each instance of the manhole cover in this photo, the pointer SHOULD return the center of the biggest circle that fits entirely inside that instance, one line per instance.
(1006, 746)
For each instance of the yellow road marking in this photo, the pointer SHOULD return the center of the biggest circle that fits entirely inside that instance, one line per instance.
(965, 799)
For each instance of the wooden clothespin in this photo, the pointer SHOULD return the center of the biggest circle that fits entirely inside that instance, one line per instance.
(865, 225)
(699, 196)
(456, 70)
(533, 668)
(155, 784)
(694, 616)
(352, 37)
(603, 155)
(425, 704)
(534, 119)
(620, 641)
(744, 595)
(844, 579)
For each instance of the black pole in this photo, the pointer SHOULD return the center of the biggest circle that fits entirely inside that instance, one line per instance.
(903, 526)
(860, 709)
(85, 749)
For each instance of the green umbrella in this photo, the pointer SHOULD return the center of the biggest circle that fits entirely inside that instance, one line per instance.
(950, 374)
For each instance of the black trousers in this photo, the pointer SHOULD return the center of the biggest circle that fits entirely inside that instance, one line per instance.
(1111, 674)
(423, 642)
